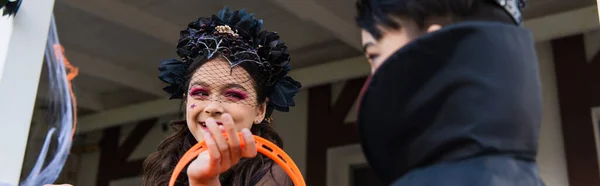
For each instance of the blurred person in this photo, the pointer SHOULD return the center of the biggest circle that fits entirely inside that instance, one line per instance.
(454, 95)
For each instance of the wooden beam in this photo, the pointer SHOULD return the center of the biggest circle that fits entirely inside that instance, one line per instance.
(324, 120)
(127, 114)
(311, 76)
(114, 163)
(309, 10)
(575, 101)
(573, 22)
(564, 24)
(595, 64)
(106, 70)
(130, 17)
(85, 99)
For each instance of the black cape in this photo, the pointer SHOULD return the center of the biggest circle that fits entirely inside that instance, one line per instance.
(457, 107)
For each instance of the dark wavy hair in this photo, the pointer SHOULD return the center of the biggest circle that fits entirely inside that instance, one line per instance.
(268, 66)
(380, 12)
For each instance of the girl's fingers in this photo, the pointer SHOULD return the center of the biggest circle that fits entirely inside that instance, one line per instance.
(249, 150)
(213, 150)
(220, 140)
(232, 138)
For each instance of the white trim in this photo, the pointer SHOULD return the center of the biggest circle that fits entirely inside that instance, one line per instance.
(339, 161)
(19, 79)
(6, 28)
(598, 10)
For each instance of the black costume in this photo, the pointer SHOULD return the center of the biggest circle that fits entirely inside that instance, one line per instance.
(457, 107)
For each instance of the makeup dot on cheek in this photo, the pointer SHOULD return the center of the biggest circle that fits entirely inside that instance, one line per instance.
(193, 106)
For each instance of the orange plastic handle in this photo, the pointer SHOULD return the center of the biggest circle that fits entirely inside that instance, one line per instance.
(263, 146)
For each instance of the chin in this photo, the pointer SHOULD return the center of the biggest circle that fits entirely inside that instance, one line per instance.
(197, 132)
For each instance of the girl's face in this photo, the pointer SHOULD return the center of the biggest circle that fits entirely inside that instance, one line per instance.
(379, 50)
(216, 89)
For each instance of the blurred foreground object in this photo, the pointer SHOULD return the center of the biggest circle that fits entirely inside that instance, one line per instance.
(9, 7)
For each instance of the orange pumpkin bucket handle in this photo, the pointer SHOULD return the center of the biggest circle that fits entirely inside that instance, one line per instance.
(263, 146)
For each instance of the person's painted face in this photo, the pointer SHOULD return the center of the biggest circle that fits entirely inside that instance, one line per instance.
(216, 89)
(378, 50)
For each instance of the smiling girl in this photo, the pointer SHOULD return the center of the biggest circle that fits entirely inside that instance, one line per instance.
(231, 77)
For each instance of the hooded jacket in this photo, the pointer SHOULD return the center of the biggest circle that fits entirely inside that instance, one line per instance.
(457, 107)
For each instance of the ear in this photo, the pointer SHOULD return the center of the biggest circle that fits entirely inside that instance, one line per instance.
(260, 112)
(433, 28)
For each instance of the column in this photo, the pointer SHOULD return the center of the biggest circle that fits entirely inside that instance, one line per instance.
(22, 44)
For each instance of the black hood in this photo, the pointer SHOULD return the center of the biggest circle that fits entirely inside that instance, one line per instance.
(467, 90)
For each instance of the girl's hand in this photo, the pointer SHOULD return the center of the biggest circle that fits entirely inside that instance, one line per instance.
(222, 153)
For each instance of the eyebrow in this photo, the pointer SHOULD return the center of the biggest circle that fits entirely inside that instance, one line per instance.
(228, 86)
(200, 83)
(233, 85)
(366, 46)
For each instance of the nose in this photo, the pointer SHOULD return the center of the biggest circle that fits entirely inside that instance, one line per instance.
(213, 108)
